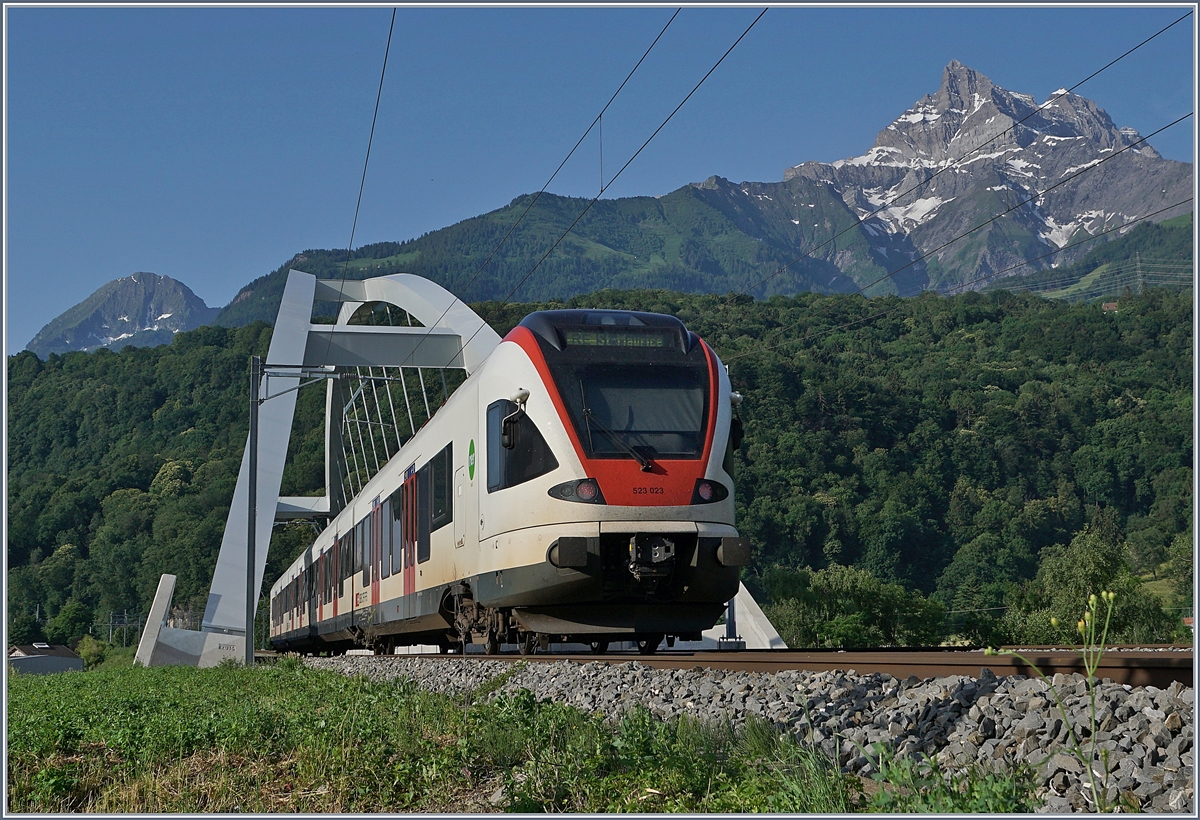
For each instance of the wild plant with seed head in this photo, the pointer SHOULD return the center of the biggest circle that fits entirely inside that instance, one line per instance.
(1093, 640)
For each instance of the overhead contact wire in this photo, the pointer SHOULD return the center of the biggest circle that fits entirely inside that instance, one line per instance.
(362, 183)
(538, 195)
(595, 199)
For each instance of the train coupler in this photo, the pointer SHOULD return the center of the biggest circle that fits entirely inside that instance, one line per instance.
(651, 557)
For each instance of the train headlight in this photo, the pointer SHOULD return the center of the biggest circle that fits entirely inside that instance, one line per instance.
(584, 491)
(708, 492)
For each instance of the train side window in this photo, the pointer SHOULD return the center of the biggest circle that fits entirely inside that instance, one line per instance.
(529, 457)
(364, 549)
(424, 508)
(442, 478)
(394, 524)
(385, 538)
(348, 553)
(343, 555)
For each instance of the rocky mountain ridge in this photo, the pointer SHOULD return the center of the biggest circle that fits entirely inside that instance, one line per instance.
(970, 184)
(143, 309)
(973, 150)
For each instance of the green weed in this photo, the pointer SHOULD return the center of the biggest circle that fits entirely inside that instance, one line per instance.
(920, 786)
(1094, 637)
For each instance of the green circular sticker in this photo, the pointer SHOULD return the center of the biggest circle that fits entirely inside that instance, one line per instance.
(471, 460)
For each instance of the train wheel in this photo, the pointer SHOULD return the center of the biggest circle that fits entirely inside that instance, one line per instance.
(649, 644)
(527, 642)
(492, 645)
(599, 647)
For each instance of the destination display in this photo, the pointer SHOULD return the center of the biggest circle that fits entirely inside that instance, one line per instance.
(619, 337)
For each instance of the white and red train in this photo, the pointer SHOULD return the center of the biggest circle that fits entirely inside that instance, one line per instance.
(576, 487)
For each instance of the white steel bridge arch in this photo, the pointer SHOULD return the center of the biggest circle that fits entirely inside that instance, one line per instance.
(452, 336)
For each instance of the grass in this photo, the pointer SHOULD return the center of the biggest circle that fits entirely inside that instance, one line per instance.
(117, 657)
(1163, 589)
(286, 738)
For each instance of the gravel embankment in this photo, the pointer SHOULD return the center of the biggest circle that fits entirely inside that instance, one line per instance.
(1148, 732)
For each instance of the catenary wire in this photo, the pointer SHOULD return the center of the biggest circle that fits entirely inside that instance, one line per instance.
(537, 196)
(366, 161)
(595, 199)
(1150, 271)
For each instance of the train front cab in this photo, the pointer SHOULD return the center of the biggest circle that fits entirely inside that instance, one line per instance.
(635, 533)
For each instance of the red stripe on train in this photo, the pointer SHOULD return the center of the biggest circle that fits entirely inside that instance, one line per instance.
(622, 481)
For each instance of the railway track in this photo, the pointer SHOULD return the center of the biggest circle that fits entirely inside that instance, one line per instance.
(1141, 666)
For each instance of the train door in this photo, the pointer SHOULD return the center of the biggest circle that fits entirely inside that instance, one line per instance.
(408, 493)
(310, 593)
(460, 518)
(319, 568)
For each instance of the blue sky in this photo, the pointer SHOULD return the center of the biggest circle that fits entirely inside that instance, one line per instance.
(213, 144)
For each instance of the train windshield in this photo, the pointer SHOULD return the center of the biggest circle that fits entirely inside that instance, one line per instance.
(654, 411)
(635, 385)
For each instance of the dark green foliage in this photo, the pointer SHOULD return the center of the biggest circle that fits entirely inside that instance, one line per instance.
(23, 628)
(122, 466)
(1093, 563)
(943, 445)
(1180, 567)
(846, 607)
(70, 624)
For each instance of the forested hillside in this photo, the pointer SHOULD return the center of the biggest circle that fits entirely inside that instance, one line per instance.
(1146, 254)
(689, 240)
(989, 453)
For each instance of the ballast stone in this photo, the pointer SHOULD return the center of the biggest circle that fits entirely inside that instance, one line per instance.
(961, 721)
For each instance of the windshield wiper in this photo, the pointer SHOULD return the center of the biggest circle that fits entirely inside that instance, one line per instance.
(616, 439)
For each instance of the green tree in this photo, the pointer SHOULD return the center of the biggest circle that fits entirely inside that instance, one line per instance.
(1181, 567)
(842, 606)
(1091, 564)
(23, 628)
(91, 650)
(70, 624)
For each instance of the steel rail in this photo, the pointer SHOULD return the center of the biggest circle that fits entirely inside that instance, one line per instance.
(1148, 666)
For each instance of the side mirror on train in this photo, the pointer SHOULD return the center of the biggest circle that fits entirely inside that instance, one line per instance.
(509, 426)
(508, 431)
